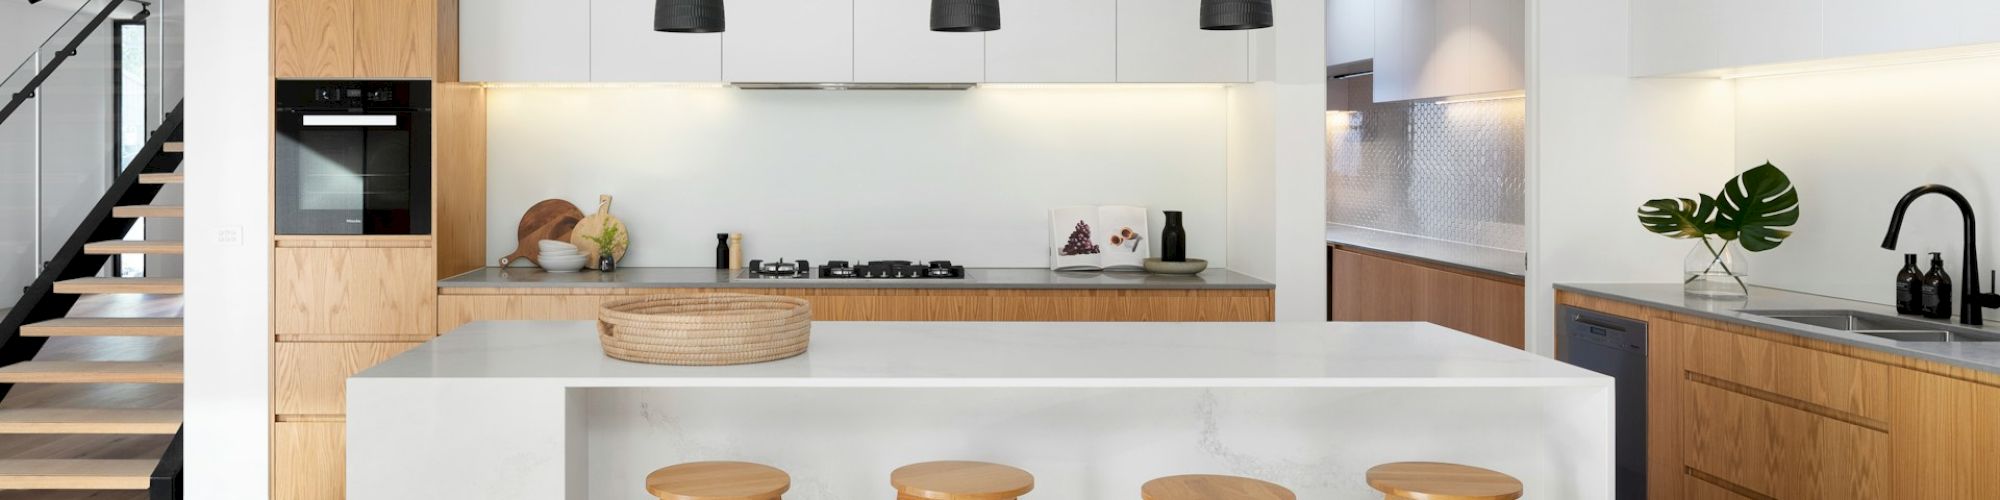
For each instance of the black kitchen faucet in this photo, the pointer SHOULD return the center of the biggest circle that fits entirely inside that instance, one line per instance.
(1972, 302)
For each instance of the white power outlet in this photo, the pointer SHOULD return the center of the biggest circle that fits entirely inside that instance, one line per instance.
(229, 236)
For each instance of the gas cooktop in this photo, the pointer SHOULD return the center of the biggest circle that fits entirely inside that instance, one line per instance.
(841, 269)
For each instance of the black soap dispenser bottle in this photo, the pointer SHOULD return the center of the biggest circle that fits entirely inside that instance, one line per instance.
(1910, 287)
(1937, 290)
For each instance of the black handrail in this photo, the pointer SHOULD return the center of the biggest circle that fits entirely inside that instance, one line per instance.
(28, 92)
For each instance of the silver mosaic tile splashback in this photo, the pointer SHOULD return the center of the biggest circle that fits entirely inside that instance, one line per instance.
(1453, 171)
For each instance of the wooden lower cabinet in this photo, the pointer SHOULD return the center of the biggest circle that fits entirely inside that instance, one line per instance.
(354, 293)
(1735, 413)
(310, 461)
(1369, 286)
(458, 306)
(314, 378)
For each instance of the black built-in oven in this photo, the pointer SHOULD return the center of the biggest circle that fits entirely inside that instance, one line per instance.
(353, 157)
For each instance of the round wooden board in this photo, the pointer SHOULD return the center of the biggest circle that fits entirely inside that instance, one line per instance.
(546, 220)
(595, 224)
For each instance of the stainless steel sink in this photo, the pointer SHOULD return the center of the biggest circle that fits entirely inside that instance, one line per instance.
(1881, 326)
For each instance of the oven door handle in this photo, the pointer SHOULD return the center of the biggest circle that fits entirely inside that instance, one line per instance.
(348, 120)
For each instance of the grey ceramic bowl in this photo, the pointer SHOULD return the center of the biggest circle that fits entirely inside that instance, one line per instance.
(1192, 266)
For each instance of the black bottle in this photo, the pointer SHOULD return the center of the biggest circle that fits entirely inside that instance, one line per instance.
(1910, 287)
(722, 250)
(1937, 289)
(1173, 239)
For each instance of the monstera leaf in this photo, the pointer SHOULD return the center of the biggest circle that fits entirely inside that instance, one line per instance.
(1750, 210)
(1755, 205)
(1678, 217)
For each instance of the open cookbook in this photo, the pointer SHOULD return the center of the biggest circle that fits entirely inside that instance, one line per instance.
(1098, 238)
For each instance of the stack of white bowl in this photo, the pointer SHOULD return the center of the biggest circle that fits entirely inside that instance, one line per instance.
(560, 257)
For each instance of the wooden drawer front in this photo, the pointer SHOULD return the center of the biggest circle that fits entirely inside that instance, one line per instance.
(310, 461)
(1779, 451)
(1945, 437)
(456, 310)
(312, 376)
(1368, 287)
(1836, 382)
(339, 292)
(1697, 489)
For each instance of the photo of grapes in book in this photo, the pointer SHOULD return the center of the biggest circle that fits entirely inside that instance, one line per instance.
(1082, 238)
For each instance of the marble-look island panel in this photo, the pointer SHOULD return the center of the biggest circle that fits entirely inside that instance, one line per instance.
(534, 410)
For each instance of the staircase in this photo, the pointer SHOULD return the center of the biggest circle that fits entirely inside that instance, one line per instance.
(64, 433)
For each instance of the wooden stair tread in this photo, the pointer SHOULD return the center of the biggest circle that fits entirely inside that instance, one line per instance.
(116, 247)
(174, 177)
(174, 147)
(167, 286)
(76, 474)
(89, 421)
(104, 327)
(91, 372)
(138, 211)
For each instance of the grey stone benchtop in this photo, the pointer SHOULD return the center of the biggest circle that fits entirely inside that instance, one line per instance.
(1487, 260)
(976, 279)
(1983, 356)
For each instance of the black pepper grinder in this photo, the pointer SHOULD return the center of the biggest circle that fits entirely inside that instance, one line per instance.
(722, 250)
(1937, 290)
(1910, 287)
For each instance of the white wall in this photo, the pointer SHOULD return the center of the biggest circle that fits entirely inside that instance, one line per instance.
(1599, 144)
(1853, 143)
(227, 401)
(1277, 160)
(966, 176)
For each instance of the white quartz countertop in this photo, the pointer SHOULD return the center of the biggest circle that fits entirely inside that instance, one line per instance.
(943, 354)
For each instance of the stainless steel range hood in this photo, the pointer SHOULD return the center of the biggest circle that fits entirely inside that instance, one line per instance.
(850, 86)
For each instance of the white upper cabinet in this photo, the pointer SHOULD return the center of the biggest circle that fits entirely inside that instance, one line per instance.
(893, 42)
(1162, 41)
(1439, 48)
(1350, 31)
(1054, 41)
(524, 41)
(789, 41)
(624, 47)
(1678, 37)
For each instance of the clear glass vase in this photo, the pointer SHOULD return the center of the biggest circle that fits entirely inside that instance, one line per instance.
(1716, 269)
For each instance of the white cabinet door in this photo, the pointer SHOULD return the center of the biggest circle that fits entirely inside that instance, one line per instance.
(893, 42)
(1676, 36)
(1406, 37)
(1054, 41)
(1350, 30)
(624, 47)
(1494, 57)
(1162, 41)
(789, 41)
(524, 41)
(1771, 31)
(1870, 26)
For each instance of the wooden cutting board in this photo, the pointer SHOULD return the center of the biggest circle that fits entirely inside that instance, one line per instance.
(547, 220)
(594, 225)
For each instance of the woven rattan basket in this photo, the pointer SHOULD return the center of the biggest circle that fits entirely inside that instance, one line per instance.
(705, 329)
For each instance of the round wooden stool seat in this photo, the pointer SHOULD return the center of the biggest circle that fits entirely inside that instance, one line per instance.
(960, 480)
(1208, 487)
(718, 481)
(1441, 481)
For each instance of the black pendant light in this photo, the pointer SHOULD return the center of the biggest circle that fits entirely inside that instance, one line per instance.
(1235, 14)
(965, 16)
(687, 16)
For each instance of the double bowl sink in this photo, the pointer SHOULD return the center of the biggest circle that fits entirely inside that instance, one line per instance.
(1880, 326)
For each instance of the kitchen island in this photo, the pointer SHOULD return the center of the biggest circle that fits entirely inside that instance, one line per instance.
(533, 409)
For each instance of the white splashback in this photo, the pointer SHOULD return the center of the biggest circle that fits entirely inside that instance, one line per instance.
(967, 176)
(1853, 143)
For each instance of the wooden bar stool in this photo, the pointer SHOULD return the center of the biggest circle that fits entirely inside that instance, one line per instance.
(718, 481)
(960, 480)
(1441, 481)
(1210, 487)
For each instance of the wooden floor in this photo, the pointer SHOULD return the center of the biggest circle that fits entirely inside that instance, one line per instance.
(98, 395)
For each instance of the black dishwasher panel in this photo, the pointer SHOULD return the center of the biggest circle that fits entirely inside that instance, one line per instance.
(1615, 346)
